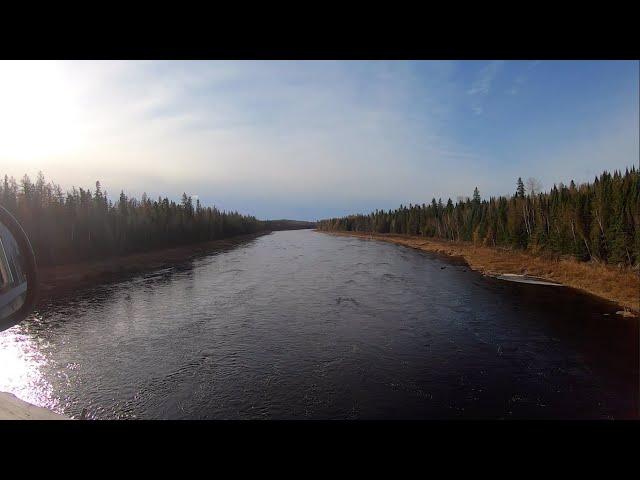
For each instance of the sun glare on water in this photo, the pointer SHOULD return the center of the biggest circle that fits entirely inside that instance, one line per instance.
(21, 363)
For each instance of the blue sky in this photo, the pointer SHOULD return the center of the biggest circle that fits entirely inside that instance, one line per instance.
(309, 140)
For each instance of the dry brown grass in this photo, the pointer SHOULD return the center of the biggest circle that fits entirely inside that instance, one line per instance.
(620, 285)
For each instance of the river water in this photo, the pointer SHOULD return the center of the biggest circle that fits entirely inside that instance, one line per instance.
(300, 324)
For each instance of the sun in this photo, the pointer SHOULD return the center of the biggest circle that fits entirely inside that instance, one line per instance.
(39, 114)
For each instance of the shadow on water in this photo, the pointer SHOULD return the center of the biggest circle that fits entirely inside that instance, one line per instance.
(569, 315)
(104, 290)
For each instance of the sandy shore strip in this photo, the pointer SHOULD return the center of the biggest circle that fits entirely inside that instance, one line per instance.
(619, 285)
(12, 408)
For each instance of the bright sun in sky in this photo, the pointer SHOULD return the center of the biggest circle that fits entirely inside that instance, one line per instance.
(39, 115)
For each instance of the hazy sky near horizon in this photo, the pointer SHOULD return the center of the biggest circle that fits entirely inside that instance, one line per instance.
(313, 139)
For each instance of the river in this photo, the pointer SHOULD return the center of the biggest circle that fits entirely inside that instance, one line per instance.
(304, 325)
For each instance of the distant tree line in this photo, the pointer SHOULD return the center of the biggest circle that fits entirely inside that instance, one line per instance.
(283, 224)
(79, 225)
(599, 220)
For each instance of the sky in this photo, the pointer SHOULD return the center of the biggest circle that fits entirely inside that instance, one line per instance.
(316, 139)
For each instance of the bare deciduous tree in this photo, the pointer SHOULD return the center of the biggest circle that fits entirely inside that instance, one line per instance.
(534, 186)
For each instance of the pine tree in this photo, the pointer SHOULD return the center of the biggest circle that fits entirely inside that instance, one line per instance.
(520, 188)
(476, 196)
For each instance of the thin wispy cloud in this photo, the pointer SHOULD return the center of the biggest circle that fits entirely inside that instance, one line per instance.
(482, 84)
(517, 84)
(521, 78)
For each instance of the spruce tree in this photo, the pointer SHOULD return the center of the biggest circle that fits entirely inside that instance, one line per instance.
(520, 188)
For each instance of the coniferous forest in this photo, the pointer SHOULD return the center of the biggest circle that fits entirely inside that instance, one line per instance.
(80, 225)
(592, 221)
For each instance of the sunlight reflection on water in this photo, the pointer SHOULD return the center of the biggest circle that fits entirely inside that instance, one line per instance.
(21, 363)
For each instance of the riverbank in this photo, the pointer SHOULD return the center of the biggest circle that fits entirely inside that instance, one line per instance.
(62, 279)
(621, 286)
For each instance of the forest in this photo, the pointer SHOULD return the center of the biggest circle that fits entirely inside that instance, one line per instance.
(81, 225)
(275, 225)
(598, 221)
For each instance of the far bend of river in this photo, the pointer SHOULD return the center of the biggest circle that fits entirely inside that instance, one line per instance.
(304, 325)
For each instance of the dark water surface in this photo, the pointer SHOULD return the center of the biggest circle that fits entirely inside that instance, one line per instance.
(300, 324)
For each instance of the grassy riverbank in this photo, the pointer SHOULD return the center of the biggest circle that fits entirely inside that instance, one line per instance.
(620, 285)
(62, 279)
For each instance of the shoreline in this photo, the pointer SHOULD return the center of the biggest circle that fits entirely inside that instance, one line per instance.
(620, 286)
(62, 279)
(13, 408)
